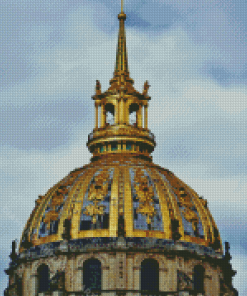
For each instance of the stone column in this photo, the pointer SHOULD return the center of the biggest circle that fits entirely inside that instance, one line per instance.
(130, 273)
(216, 283)
(96, 115)
(163, 276)
(208, 286)
(105, 280)
(27, 288)
(126, 113)
(34, 283)
(117, 112)
(69, 274)
(137, 280)
(146, 116)
(121, 270)
(112, 272)
(121, 111)
(172, 275)
(139, 117)
(124, 146)
(103, 116)
(78, 277)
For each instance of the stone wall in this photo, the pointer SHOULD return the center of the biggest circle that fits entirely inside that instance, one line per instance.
(120, 270)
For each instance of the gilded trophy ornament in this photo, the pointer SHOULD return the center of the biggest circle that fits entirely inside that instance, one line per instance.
(55, 205)
(97, 192)
(145, 194)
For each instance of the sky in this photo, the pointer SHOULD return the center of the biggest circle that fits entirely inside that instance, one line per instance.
(192, 52)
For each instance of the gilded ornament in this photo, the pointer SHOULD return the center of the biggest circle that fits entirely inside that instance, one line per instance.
(62, 190)
(97, 192)
(185, 200)
(49, 217)
(145, 195)
(56, 201)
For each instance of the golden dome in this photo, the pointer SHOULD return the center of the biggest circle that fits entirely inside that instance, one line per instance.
(121, 193)
(96, 197)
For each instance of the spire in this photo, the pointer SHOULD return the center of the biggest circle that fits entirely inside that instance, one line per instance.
(121, 59)
(123, 126)
(121, 73)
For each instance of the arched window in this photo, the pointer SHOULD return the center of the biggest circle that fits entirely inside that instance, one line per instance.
(149, 275)
(92, 274)
(43, 278)
(133, 108)
(109, 108)
(198, 278)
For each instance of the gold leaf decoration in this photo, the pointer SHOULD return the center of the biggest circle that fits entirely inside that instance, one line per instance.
(56, 201)
(145, 195)
(49, 217)
(185, 200)
(189, 214)
(97, 192)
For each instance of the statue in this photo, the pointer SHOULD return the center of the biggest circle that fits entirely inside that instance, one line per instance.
(98, 87)
(146, 87)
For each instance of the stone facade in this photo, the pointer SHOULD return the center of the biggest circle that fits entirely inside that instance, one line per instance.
(121, 269)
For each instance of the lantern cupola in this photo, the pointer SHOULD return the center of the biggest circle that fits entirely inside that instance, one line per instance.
(121, 112)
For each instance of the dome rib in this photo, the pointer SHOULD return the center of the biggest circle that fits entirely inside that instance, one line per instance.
(114, 204)
(163, 203)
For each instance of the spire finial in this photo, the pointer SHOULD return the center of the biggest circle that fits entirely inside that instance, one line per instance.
(121, 59)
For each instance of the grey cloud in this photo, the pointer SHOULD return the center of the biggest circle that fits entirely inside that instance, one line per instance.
(42, 126)
(216, 141)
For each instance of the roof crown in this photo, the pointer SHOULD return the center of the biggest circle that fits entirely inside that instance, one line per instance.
(123, 126)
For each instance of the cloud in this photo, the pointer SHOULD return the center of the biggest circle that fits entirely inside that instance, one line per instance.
(239, 264)
(192, 52)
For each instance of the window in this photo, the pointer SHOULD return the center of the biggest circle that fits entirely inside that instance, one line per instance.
(92, 274)
(198, 278)
(128, 146)
(43, 278)
(149, 275)
(133, 108)
(114, 147)
(142, 147)
(109, 108)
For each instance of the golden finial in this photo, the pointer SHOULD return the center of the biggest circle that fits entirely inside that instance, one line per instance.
(121, 60)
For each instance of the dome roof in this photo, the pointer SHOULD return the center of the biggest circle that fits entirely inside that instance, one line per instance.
(121, 192)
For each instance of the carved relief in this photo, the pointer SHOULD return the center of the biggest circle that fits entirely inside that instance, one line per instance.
(184, 199)
(55, 205)
(145, 195)
(97, 192)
